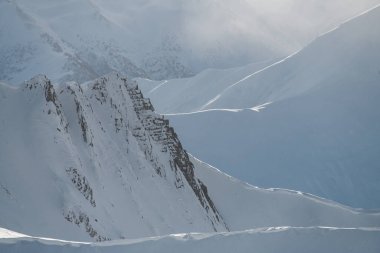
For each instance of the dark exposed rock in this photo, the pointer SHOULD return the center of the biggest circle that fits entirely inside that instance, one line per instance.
(81, 120)
(43, 84)
(86, 132)
(81, 219)
(82, 184)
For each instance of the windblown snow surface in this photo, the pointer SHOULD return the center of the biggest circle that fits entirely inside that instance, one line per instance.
(84, 39)
(309, 122)
(292, 240)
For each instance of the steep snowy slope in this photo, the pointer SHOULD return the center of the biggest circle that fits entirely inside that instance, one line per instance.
(94, 161)
(191, 94)
(319, 134)
(160, 39)
(292, 240)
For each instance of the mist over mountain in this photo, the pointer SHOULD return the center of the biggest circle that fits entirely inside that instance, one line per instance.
(84, 39)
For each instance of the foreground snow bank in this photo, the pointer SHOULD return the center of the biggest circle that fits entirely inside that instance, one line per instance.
(275, 239)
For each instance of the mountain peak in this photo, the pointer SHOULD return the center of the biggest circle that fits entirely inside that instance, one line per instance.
(38, 81)
(103, 152)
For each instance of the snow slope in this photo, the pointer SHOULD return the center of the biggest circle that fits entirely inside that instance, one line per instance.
(292, 240)
(319, 131)
(244, 206)
(345, 56)
(94, 162)
(81, 40)
(191, 94)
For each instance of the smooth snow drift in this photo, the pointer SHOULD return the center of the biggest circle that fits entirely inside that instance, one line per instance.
(273, 239)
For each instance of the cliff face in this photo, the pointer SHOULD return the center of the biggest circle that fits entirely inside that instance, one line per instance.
(159, 131)
(102, 164)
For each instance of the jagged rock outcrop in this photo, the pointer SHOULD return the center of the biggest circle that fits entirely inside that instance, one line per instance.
(160, 132)
(81, 184)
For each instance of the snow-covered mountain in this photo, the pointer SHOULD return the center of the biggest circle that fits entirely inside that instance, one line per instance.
(94, 162)
(287, 240)
(83, 39)
(319, 131)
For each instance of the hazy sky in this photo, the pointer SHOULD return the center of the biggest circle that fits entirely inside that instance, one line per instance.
(159, 35)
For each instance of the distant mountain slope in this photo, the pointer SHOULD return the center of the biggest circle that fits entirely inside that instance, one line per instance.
(349, 53)
(319, 134)
(280, 239)
(191, 94)
(81, 40)
(257, 207)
